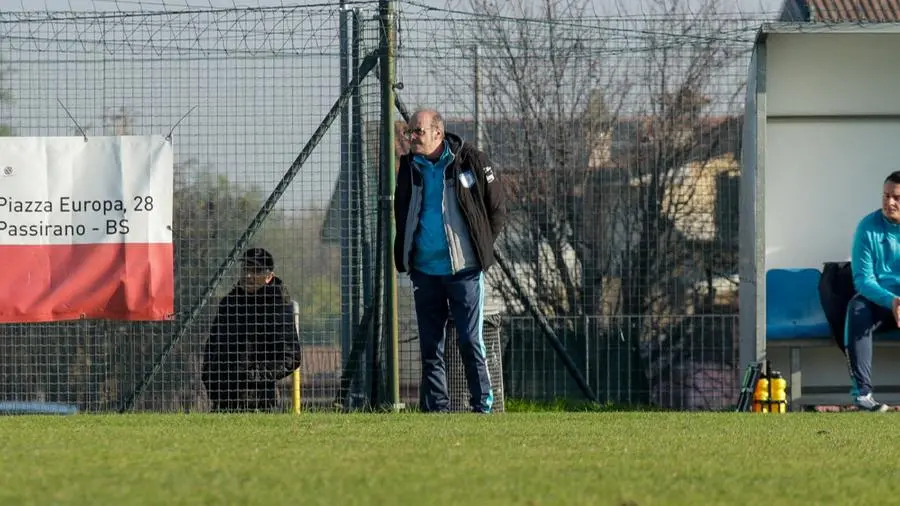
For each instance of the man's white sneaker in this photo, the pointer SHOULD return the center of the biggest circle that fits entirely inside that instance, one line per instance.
(868, 403)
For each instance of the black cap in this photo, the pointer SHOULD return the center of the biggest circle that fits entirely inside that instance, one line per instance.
(259, 259)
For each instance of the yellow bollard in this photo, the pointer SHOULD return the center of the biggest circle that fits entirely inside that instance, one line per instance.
(295, 390)
(295, 376)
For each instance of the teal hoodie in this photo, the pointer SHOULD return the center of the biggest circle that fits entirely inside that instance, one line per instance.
(432, 249)
(875, 259)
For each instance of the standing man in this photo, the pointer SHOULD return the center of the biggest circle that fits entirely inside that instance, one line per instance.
(875, 261)
(253, 341)
(449, 209)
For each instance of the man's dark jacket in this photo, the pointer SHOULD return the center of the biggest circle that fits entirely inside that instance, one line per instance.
(482, 204)
(252, 344)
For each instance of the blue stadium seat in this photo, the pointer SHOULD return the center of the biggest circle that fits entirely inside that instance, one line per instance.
(793, 309)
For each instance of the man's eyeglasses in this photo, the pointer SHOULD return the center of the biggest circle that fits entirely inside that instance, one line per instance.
(417, 131)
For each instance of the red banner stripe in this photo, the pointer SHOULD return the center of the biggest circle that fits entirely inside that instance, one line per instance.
(93, 281)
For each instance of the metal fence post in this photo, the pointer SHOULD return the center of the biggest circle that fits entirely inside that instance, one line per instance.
(388, 177)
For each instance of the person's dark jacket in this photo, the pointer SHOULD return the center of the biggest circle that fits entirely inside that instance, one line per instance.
(481, 206)
(253, 343)
(836, 289)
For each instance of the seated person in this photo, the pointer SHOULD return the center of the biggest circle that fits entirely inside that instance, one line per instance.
(875, 260)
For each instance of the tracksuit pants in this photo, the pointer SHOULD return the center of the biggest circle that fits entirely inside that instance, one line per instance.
(864, 317)
(436, 298)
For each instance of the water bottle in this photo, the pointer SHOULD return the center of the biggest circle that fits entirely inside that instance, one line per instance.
(761, 396)
(779, 393)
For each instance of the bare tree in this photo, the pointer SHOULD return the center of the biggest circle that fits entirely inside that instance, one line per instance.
(613, 133)
(540, 73)
(684, 134)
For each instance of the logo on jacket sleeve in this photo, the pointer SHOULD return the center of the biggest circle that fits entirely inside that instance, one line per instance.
(489, 174)
(467, 179)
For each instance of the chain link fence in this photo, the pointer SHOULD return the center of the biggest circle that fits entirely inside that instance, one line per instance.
(618, 139)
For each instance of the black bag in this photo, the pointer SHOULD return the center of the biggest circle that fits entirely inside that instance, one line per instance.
(835, 291)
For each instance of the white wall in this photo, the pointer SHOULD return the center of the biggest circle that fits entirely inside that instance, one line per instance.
(823, 174)
(833, 73)
(821, 178)
(752, 341)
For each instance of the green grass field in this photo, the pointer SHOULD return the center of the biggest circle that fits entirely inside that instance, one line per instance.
(514, 458)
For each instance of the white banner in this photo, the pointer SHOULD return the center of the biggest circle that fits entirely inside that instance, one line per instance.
(63, 190)
(86, 228)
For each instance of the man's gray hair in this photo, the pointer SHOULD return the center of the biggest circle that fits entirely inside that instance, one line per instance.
(437, 121)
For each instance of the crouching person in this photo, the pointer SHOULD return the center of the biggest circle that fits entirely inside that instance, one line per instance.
(253, 341)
